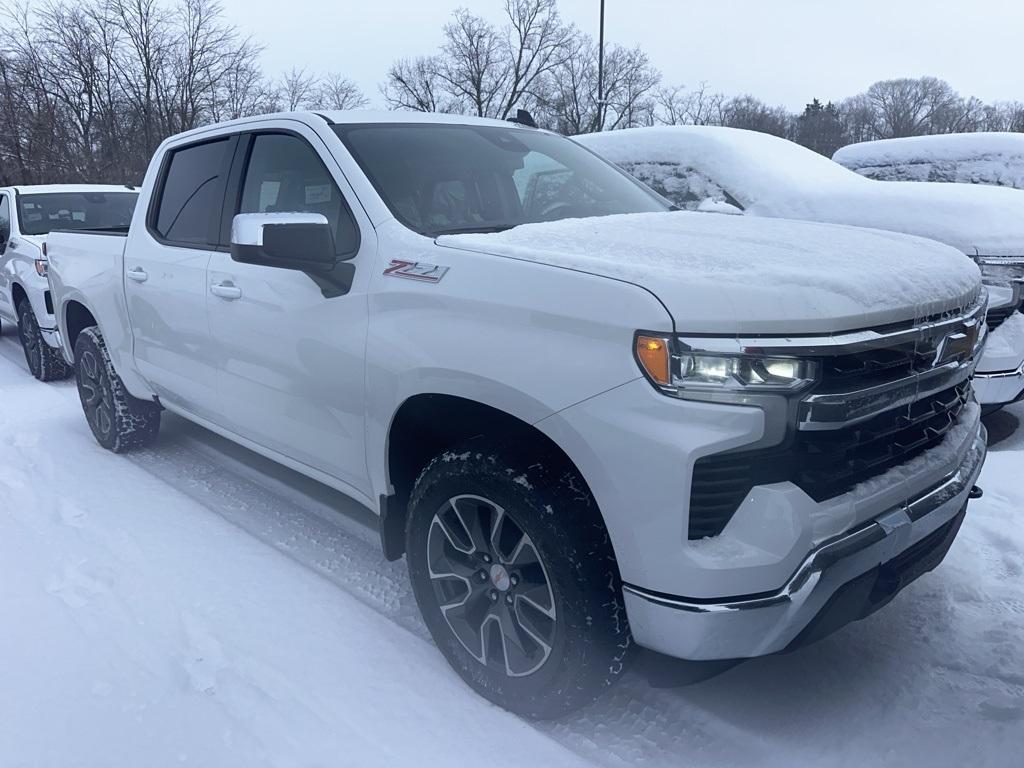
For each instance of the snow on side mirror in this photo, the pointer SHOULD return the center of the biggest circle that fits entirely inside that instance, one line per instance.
(711, 205)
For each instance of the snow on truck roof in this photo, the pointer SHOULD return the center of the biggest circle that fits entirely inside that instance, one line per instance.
(942, 148)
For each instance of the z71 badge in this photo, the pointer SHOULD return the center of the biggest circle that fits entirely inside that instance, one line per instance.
(416, 270)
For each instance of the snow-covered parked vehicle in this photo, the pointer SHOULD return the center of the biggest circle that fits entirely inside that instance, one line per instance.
(727, 170)
(964, 158)
(27, 214)
(585, 419)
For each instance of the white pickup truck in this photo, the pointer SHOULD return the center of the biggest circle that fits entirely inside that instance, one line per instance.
(585, 419)
(27, 214)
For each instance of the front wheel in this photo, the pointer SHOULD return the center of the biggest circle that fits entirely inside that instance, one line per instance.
(44, 362)
(119, 421)
(515, 576)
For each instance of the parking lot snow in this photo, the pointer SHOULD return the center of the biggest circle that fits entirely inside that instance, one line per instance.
(192, 605)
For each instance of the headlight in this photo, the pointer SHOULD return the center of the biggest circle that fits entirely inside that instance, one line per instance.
(686, 370)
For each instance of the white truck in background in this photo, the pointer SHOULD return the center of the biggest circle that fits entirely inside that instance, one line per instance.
(728, 170)
(588, 421)
(27, 214)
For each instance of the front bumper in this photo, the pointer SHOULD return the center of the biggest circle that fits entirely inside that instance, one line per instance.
(872, 561)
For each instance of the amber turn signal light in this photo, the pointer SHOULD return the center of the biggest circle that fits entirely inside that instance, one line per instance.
(653, 355)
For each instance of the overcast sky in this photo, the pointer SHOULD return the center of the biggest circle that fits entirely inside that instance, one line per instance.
(783, 51)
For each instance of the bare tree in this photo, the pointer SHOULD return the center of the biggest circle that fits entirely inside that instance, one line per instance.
(415, 84)
(677, 106)
(569, 100)
(339, 92)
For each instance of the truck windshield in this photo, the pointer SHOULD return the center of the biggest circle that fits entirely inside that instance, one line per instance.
(41, 212)
(450, 179)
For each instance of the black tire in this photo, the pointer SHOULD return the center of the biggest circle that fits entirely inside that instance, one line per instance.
(119, 421)
(44, 362)
(585, 627)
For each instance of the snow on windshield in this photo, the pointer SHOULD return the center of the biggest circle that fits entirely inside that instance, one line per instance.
(969, 158)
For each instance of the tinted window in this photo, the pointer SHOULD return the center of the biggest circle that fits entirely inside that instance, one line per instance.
(285, 175)
(40, 213)
(192, 193)
(5, 221)
(441, 179)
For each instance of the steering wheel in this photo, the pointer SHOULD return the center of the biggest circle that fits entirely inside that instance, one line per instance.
(562, 210)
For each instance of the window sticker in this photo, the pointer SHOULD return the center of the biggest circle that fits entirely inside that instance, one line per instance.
(318, 193)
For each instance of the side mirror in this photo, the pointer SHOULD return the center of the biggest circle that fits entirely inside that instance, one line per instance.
(301, 241)
(711, 205)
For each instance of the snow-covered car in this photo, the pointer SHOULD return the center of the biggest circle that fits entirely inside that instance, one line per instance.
(585, 419)
(728, 170)
(965, 158)
(27, 214)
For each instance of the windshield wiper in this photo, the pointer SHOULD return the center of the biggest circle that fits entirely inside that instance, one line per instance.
(481, 230)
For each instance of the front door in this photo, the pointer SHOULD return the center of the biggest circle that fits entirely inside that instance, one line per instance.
(291, 375)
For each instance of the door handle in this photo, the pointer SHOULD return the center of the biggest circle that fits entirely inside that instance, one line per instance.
(226, 290)
(138, 274)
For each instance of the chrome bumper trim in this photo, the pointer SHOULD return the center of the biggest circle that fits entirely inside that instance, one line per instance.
(806, 575)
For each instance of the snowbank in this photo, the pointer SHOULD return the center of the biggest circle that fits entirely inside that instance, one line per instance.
(731, 269)
(772, 177)
(971, 158)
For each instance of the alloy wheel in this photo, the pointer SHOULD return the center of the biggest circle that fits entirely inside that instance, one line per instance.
(491, 585)
(95, 394)
(28, 330)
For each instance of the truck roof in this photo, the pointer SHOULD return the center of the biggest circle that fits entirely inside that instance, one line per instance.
(351, 117)
(29, 189)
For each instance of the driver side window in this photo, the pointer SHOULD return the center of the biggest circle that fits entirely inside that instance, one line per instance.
(286, 175)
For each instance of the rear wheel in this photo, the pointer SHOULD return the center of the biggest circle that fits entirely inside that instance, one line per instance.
(119, 421)
(44, 362)
(515, 576)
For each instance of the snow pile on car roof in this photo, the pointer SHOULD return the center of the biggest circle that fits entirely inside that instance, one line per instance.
(754, 165)
(764, 265)
(769, 176)
(970, 158)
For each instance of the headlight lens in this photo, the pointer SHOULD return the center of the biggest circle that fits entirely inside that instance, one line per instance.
(689, 370)
(699, 370)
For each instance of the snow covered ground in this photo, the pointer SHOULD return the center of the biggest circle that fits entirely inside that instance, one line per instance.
(196, 605)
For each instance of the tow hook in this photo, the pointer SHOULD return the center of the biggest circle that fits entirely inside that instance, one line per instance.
(976, 493)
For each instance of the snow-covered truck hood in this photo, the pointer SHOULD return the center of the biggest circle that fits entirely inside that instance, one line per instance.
(773, 177)
(729, 274)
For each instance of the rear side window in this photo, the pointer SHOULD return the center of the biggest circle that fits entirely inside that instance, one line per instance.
(5, 220)
(192, 193)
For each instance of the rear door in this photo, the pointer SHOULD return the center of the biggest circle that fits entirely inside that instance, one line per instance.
(291, 373)
(165, 276)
